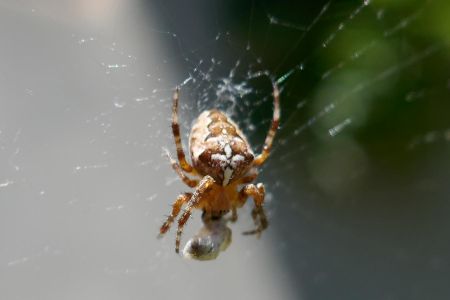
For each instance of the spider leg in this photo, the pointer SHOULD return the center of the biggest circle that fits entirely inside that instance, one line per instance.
(259, 217)
(176, 207)
(261, 158)
(248, 178)
(205, 184)
(234, 215)
(176, 134)
(244, 180)
(176, 167)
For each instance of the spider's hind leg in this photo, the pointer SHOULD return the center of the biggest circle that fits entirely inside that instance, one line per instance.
(176, 167)
(259, 216)
(242, 198)
(261, 158)
(176, 135)
(234, 215)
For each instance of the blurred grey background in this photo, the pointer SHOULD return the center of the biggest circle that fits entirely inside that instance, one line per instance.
(357, 183)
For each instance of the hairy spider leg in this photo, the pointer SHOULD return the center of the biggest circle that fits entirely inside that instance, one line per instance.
(248, 178)
(176, 134)
(176, 208)
(205, 184)
(259, 217)
(261, 158)
(244, 180)
(176, 167)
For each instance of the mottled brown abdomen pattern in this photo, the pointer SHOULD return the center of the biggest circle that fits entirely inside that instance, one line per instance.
(219, 148)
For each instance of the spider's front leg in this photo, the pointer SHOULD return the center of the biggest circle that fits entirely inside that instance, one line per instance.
(259, 216)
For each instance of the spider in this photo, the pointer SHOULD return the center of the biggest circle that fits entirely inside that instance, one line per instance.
(223, 159)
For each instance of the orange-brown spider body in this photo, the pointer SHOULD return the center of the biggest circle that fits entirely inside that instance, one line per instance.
(223, 158)
(219, 148)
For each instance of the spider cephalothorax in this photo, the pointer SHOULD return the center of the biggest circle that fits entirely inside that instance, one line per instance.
(223, 158)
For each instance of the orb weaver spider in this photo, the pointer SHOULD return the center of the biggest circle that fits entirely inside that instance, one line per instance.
(223, 158)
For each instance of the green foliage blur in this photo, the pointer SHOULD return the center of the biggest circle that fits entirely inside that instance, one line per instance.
(386, 68)
(365, 85)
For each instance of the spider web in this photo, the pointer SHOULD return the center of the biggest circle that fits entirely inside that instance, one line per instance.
(363, 139)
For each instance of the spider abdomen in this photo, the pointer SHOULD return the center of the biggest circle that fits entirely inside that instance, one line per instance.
(219, 148)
